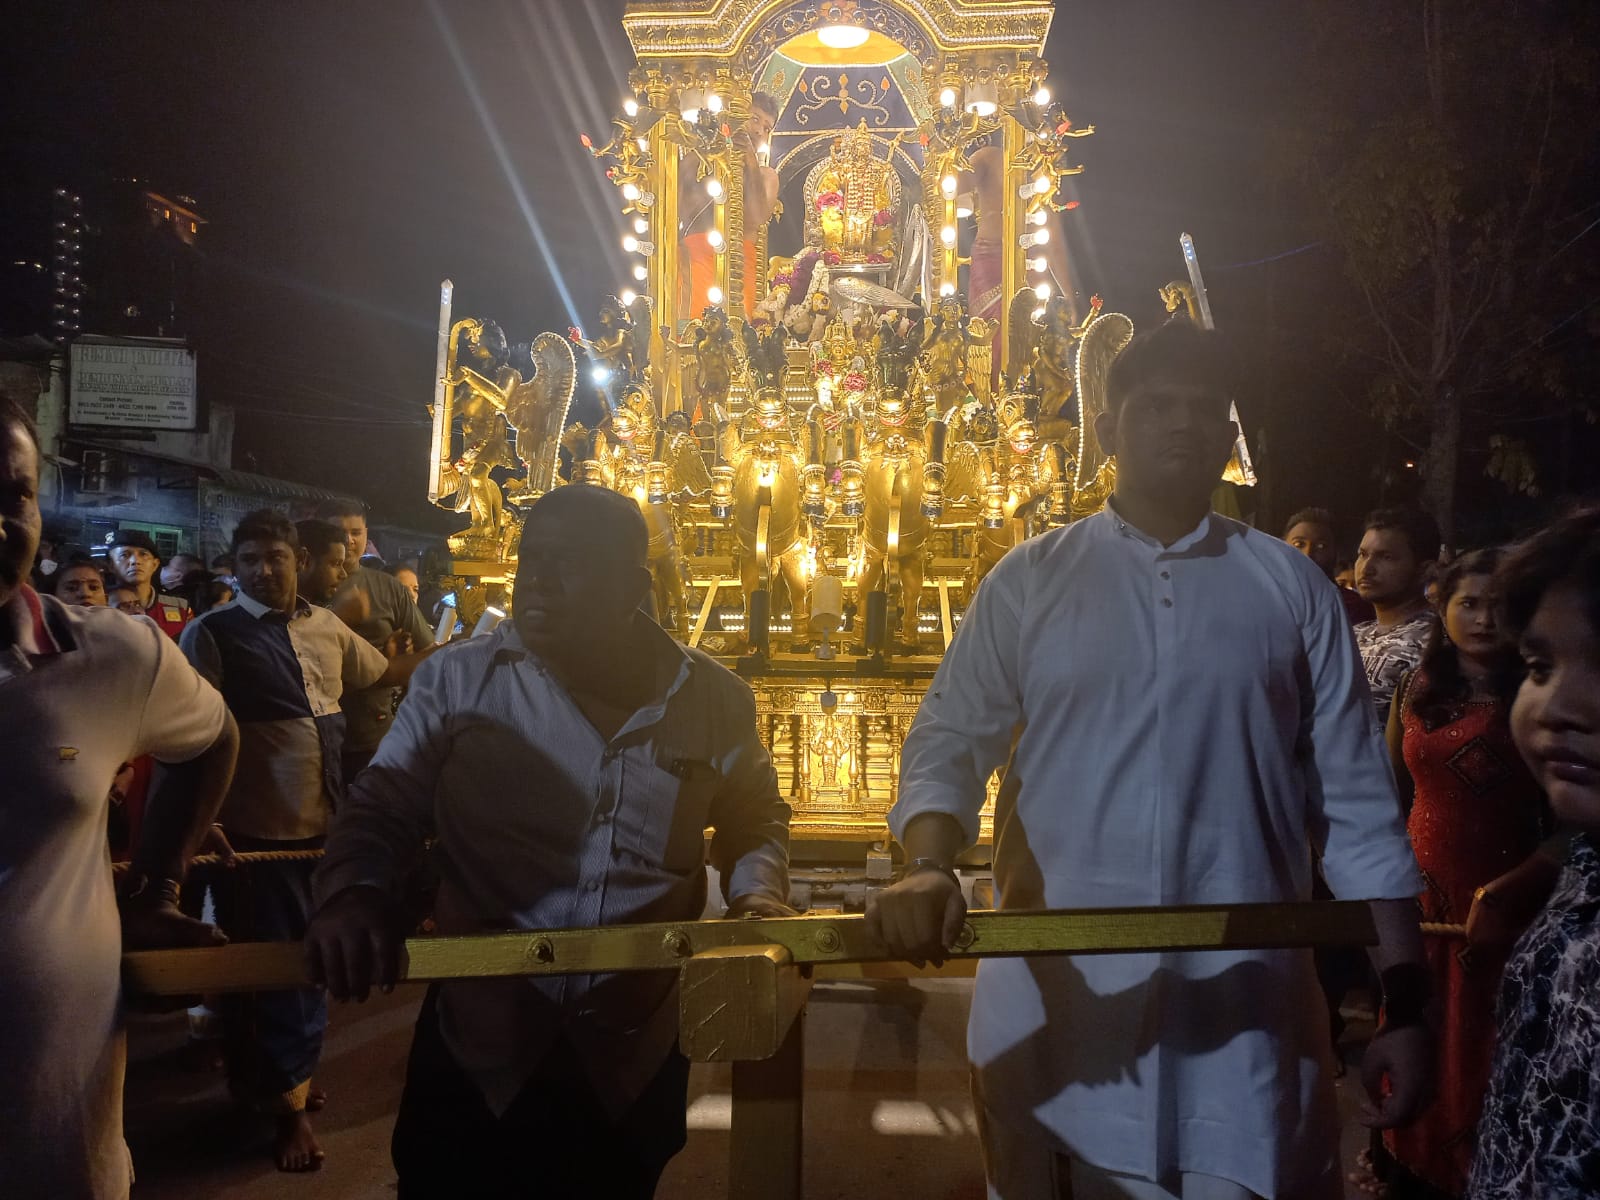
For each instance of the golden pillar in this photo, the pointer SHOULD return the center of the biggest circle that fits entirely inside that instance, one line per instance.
(736, 107)
(666, 262)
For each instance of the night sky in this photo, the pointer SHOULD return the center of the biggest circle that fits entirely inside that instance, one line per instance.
(350, 155)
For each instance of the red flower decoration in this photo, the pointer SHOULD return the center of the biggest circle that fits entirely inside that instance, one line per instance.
(883, 217)
(855, 382)
(877, 258)
(832, 258)
(726, 132)
(829, 200)
(574, 333)
(825, 367)
(584, 138)
(1071, 204)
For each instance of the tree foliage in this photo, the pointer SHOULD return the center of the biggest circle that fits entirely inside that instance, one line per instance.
(1450, 151)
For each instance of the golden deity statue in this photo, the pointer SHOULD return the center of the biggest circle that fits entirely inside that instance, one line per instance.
(956, 353)
(853, 200)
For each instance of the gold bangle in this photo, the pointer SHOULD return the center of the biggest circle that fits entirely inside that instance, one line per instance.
(1487, 898)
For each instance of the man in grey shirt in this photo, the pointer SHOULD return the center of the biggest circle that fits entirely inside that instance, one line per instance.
(567, 765)
(377, 606)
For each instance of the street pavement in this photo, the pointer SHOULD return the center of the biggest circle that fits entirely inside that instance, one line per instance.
(887, 1108)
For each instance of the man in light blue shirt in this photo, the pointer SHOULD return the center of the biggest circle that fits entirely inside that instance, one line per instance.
(1186, 719)
(567, 765)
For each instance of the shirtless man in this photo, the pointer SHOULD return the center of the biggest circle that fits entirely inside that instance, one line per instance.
(697, 209)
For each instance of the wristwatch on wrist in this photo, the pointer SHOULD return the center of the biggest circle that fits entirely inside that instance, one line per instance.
(932, 864)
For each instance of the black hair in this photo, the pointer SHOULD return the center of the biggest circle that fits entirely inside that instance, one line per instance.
(205, 594)
(77, 560)
(1309, 516)
(265, 525)
(1566, 553)
(1177, 350)
(625, 530)
(223, 562)
(341, 506)
(766, 102)
(12, 413)
(1420, 530)
(316, 536)
(1440, 687)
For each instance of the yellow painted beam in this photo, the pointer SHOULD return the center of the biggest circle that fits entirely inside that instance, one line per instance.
(817, 939)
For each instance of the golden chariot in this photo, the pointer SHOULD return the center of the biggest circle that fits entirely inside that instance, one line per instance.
(829, 445)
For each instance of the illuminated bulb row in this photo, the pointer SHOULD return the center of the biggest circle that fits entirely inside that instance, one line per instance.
(1037, 238)
(1042, 186)
(634, 246)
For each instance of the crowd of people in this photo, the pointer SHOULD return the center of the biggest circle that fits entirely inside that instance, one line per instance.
(1185, 710)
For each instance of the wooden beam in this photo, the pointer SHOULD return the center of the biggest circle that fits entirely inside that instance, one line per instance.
(767, 1134)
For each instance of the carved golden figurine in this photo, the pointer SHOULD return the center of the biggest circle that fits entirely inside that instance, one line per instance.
(715, 350)
(494, 389)
(658, 465)
(955, 354)
(1015, 482)
(853, 200)
(763, 465)
(902, 457)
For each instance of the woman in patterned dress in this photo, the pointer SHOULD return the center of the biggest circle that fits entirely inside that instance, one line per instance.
(1474, 817)
(1540, 1131)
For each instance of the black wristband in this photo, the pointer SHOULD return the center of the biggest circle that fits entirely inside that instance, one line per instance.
(932, 864)
(1407, 991)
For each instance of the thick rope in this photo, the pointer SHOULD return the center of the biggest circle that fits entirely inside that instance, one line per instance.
(244, 858)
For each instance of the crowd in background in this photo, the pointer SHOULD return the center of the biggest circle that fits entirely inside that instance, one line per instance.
(1483, 668)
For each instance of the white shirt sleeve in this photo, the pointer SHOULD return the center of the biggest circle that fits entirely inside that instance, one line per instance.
(379, 829)
(1354, 819)
(183, 714)
(964, 726)
(363, 665)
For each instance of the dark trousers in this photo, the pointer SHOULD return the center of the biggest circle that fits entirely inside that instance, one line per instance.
(555, 1140)
(270, 1040)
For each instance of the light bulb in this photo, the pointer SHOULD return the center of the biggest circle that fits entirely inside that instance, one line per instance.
(630, 191)
(640, 225)
(948, 185)
(983, 98)
(841, 37)
(947, 235)
(714, 102)
(1042, 289)
(628, 296)
(714, 188)
(1038, 217)
(947, 289)
(1038, 314)
(690, 102)
(947, 98)
(646, 199)
(631, 107)
(1038, 264)
(714, 295)
(1041, 236)
(1042, 97)
(630, 243)
(691, 115)
(715, 240)
(1043, 185)
(641, 272)
(642, 142)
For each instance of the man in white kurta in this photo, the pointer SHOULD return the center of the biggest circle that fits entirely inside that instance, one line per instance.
(1194, 721)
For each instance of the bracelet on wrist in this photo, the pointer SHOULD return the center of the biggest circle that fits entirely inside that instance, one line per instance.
(932, 864)
(143, 891)
(1488, 899)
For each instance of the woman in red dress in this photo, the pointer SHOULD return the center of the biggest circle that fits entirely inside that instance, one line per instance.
(1474, 818)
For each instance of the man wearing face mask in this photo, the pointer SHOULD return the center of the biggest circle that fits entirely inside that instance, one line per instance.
(567, 765)
(1186, 718)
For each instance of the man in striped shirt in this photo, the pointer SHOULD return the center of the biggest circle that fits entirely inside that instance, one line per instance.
(282, 662)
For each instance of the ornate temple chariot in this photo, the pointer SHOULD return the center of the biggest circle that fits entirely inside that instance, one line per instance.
(831, 435)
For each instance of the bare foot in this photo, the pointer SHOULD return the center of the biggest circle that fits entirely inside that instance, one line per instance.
(316, 1099)
(295, 1145)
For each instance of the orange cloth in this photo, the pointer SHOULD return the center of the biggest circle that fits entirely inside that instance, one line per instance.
(702, 274)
